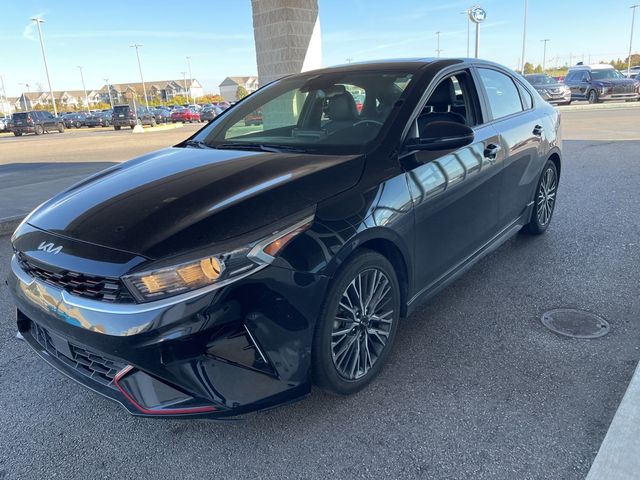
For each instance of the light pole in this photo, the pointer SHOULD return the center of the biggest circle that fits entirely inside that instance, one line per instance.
(544, 53)
(438, 49)
(144, 89)
(86, 97)
(524, 38)
(466, 13)
(190, 81)
(106, 81)
(633, 19)
(24, 99)
(184, 83)
(44, 57)
(4, 96)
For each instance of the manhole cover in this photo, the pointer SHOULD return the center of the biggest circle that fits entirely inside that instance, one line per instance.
(575, 323)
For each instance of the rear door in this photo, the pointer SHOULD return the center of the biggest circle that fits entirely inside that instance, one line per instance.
(455, 194)
(48, 121)
(520, 127)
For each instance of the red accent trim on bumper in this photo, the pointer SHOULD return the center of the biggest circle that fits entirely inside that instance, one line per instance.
(167, 411)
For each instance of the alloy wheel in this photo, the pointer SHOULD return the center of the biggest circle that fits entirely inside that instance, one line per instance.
(546, 197)
(362, 324)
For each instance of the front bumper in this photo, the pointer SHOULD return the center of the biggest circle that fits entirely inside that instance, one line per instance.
(619, 96)
(242, 348)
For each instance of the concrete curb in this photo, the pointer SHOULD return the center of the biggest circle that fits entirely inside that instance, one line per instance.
(598, 106)
(9, 224)
(619, 454)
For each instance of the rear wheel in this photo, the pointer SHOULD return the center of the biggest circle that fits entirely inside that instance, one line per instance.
(545, 200)
(38, 130)
(17, 134)
(116, 127)
(357, 325)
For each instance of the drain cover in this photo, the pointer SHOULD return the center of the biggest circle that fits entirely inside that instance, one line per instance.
(575, 323)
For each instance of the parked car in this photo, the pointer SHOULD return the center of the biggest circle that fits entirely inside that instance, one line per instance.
(99, 119)
(126, 116)
(185, 115)
(255, 118)
(5, 124)
(549, 88)
(209, 113)
(75, 119)
(162, 115)
(632, 72)
(226, 274)
(35, 121)
(598, 83)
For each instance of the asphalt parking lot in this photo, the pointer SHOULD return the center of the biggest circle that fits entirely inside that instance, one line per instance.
(476, 387)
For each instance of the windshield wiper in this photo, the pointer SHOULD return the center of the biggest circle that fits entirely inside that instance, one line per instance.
(197, 144)
(259, 147)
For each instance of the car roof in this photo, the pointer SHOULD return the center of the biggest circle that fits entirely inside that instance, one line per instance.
(599, 66)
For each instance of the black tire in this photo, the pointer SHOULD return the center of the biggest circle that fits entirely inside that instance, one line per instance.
(17, 134)
(326, 374)
(592, 96)
(60, 128)
(153, 122)
(77, 125)
(567, 103)
(116, 127)
(540, 215)
(38, 130)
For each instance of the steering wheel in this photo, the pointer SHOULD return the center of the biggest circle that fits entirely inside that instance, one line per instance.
(362, 122)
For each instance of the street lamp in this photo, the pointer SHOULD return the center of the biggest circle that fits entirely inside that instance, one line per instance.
(633, 18)
(524, 38)
(144, 89)
(438, 49)
(544, 53)
(106, 81)
(24, 99)
(39, 21)
(184, 83)
(189, 93)
(86, 97)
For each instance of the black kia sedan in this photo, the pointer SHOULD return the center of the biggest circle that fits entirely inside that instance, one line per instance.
(231, 272)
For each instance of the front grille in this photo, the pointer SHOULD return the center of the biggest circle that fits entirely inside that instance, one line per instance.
(623, 89)
(87, 286)
(86, 362)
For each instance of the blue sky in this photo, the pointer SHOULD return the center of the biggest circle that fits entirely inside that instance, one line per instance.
(218, 35)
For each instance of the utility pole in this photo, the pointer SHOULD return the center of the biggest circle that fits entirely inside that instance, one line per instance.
(524, 37)
(39, 21)
(144, 89)
(633, 19)
(4, 96)
(438, 49)
(544, 53)
(106, 81)
(86, 97)
(190, 94)
(348, 59)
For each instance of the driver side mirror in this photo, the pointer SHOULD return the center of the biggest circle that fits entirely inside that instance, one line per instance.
(442, 135)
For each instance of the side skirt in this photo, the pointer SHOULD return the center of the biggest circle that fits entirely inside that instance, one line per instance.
(458, 270)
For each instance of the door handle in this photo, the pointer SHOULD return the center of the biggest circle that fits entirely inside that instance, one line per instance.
(491, 151)
(537, 130)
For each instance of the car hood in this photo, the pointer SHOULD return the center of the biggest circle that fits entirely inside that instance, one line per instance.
(617, 81)
(181, 199)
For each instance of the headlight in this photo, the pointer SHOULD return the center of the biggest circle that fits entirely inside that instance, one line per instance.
(214, 271)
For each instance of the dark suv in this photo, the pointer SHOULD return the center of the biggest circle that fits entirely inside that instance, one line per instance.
(126, 116)
(597, 83)
(37, 122)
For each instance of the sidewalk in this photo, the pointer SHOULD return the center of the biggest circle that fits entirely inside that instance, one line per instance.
(25, 186)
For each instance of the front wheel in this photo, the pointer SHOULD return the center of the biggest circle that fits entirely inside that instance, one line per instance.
(545, 200)
(153, 122)
(116, 127)
(357, 325)
(60, 128)
(593, 96)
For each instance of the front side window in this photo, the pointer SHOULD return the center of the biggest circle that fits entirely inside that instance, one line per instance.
(502, 93)
(341, 111)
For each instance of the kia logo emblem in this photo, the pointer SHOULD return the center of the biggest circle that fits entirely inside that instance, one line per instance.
(49, 248)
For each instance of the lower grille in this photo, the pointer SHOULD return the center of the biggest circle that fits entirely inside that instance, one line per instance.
(88, 286)
(86, 362)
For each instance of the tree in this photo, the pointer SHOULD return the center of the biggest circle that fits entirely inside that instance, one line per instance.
(528, 68)
(241, 92)
(538, 69)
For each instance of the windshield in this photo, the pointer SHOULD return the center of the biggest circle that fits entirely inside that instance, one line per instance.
(541, 80)
(336, 111)
(606, 74)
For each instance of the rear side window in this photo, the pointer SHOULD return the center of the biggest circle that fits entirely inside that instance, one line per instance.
(502, 93)
(527, 99)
